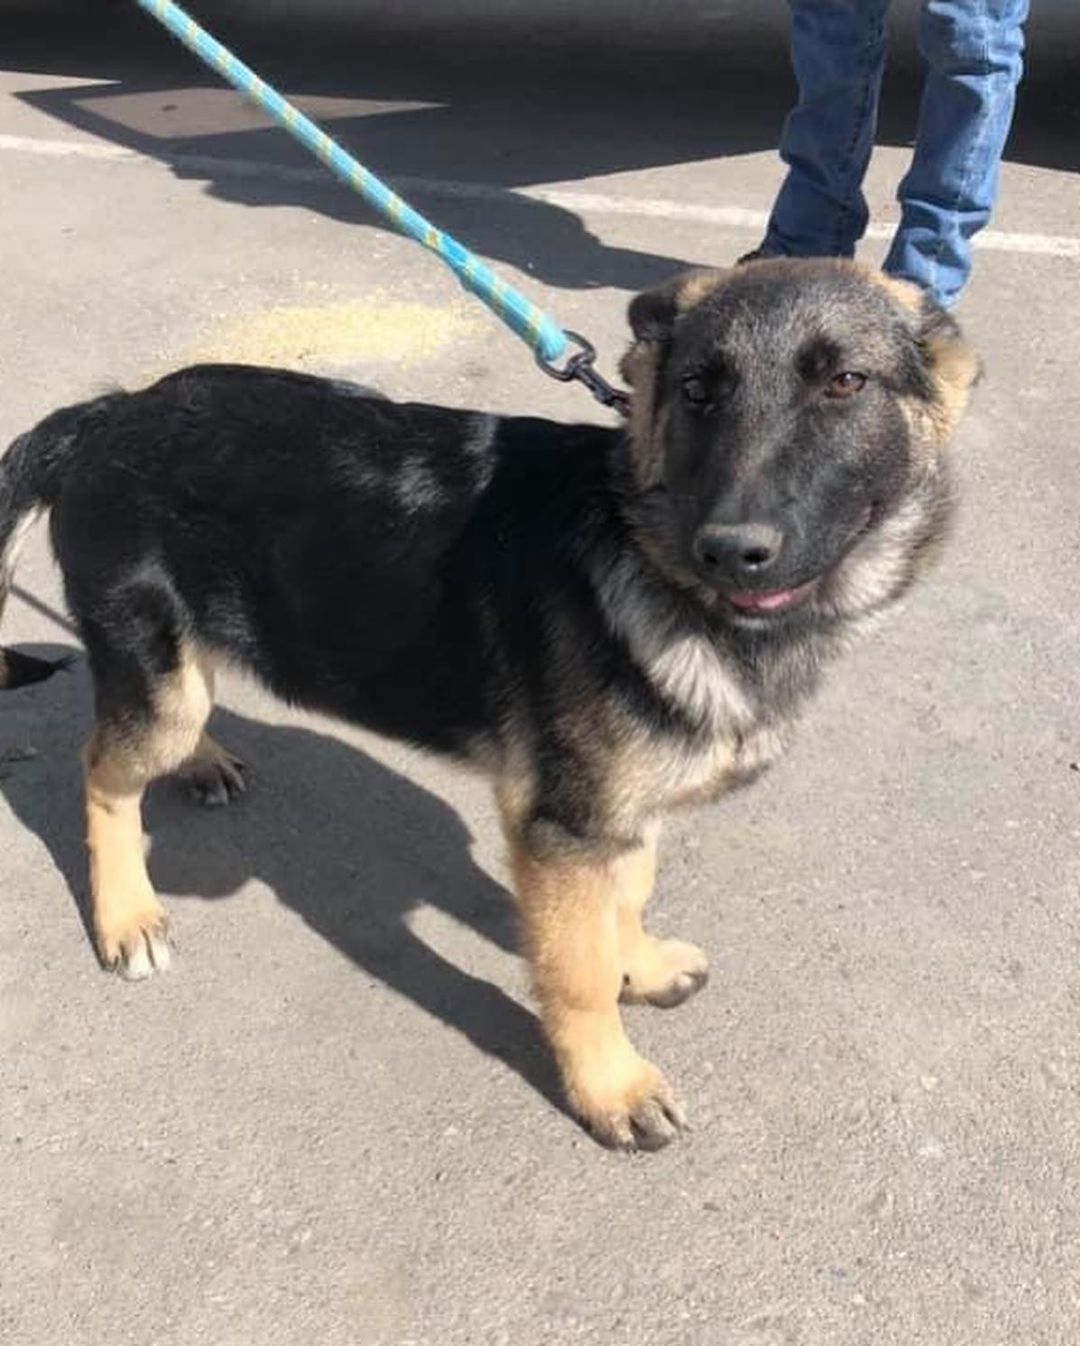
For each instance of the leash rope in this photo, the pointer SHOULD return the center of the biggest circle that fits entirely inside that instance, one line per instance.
(549, 341)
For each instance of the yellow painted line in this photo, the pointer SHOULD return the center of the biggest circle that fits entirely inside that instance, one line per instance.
(328, 335)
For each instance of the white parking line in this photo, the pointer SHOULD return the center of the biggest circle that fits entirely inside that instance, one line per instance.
(579, 202)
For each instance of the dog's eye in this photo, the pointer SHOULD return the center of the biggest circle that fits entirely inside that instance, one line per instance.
(845, 384)
(695, 390)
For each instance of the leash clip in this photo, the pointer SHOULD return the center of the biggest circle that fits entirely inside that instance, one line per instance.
(580, 368)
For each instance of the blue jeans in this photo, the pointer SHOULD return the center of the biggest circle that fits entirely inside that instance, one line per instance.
(973, 52)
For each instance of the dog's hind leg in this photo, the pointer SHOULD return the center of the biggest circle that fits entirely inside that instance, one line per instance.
(213, 775)
(154, 696)
(661, 972)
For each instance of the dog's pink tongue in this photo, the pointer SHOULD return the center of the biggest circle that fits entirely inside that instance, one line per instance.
(772, 601)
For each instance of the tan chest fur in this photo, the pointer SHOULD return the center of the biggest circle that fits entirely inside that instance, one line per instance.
(651, 777)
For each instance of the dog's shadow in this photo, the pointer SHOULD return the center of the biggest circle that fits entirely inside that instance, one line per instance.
(350, 845)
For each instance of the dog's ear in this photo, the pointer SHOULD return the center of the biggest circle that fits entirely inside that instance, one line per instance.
(952, 364)
(948, 367)
(652, 316)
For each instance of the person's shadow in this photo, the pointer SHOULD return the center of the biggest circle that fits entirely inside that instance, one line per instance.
(471, 116)
(469, 119)
(405, 848)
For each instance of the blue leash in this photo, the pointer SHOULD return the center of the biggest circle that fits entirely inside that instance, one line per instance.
(548, 340)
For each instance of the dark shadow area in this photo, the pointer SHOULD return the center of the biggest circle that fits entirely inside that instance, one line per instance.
(348, 844)
(480, 114)
(501, 102)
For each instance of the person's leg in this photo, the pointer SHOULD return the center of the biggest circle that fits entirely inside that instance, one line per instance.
(974, 55)
(838, 53)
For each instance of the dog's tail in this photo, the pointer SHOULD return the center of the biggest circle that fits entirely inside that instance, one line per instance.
(32, 473)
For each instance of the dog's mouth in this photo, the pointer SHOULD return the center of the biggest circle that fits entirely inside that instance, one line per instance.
(766, 603)
(769, 602)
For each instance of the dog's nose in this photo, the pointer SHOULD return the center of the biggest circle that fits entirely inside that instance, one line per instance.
(738, 551)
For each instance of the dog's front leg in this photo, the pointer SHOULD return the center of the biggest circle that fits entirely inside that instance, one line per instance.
(656, 971)
(570, 923)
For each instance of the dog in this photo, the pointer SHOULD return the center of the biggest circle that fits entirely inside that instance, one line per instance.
(609, 622)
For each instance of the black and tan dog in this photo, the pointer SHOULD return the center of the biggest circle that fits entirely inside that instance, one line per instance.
(610, 623)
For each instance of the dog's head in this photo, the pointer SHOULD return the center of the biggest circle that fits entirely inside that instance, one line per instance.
(787, 435)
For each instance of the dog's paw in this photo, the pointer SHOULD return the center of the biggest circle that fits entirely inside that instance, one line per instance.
(627, 1104)
(663, 972)
(138, 946)
(215, 781)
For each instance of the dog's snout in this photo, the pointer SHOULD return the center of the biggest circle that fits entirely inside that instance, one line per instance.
(738, 551)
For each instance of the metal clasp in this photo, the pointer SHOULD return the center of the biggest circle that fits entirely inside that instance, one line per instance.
(579, 368)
